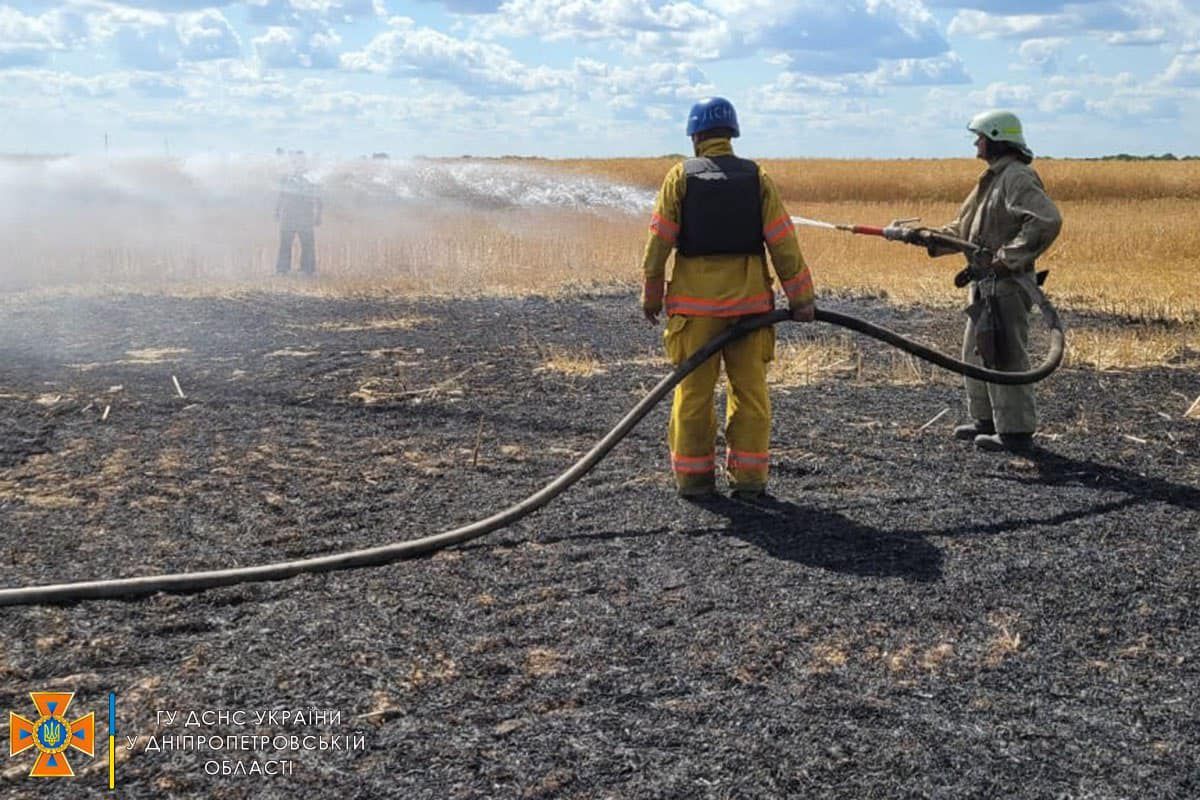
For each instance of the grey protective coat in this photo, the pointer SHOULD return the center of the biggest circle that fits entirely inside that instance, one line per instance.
(1010, 214)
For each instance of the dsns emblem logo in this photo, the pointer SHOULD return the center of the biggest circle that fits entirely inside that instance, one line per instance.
(51, 734)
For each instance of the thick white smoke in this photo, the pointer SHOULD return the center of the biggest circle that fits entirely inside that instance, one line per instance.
(120, 222)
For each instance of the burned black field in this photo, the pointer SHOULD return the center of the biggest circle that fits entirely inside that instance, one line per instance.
(908, 618)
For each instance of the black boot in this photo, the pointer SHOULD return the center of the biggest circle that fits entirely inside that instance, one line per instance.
(1005, 442)
(980, 427)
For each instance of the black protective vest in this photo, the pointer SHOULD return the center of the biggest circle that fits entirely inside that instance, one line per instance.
(722, 208)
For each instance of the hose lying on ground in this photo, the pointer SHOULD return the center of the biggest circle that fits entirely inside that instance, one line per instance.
(385, 554)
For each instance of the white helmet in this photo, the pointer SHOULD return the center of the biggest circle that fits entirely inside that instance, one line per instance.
(1000, 126)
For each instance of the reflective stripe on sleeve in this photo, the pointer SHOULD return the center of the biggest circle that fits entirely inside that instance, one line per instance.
(799, 284)
(664, 228)
(778, 228)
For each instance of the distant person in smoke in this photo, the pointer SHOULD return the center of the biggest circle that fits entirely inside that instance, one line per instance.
(1010, 215)
(298, 211)
(721, 215)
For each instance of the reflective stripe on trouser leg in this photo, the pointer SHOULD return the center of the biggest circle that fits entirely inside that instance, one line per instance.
(748, 409)
(692, 430)
(1012, 408)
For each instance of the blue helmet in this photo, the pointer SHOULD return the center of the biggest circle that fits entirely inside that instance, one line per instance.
(712, 112)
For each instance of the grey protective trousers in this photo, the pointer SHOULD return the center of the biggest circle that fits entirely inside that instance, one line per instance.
(1011, 408)
(308, 250)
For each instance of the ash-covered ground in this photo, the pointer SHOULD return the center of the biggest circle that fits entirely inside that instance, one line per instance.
(908, 618)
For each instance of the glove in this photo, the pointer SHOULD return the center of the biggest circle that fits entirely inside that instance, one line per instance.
(652, 299)
(902, 233)
(804, 313)
(898, 231)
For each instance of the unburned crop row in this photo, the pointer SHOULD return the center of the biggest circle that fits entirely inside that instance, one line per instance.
(926, 180)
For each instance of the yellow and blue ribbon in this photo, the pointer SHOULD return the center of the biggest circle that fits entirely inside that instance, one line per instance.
(112, 740)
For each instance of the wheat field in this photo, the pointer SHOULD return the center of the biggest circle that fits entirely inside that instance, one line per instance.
(1129, 246)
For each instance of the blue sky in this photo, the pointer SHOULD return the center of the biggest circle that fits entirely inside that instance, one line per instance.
(849, 78)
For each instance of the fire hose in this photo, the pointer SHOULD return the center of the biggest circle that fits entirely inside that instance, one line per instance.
(397, 551)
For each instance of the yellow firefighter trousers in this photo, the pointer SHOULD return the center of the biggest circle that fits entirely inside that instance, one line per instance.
(692, 431)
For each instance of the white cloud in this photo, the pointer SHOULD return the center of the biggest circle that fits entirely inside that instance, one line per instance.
(1123, 99)
(981, 25)
(1184, 70)
(277, 47)
(409, 51)
(1148, 36)
(938, 71)
(311, 13)
(846, 36)
(652, 92)
(652, 83)
(208, 35)
(49, 84)
(1117, 22)
(107, 20)
(143, 39)
(814, 102)
(323, 48)
(346, 105)
(264, 94)
(802, 120)
(149, 46)
(286, 48)
(1137, 107)
(1010, 7)
(174, 6)
(148, 40)
(72, 26)
(161, 120)
(472, 6)
(1042, 54)
(819, 37)
(596, 19)
(99, 86)
(18, 55)
(1063, 102)
(157, 87)
(29, 40)
(797, 84)
(1005, 95)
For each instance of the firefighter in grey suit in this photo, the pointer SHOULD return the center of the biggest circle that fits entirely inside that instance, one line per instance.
(1008, 213)
(299, 212)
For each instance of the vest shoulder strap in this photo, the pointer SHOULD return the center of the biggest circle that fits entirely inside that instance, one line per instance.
(704, 169)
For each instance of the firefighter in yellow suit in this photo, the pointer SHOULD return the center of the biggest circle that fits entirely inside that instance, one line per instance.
(720, 213)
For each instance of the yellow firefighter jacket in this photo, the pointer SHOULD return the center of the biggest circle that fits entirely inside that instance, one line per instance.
(721, 285)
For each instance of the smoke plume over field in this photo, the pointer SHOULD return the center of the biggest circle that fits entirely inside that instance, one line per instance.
(151, 222)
